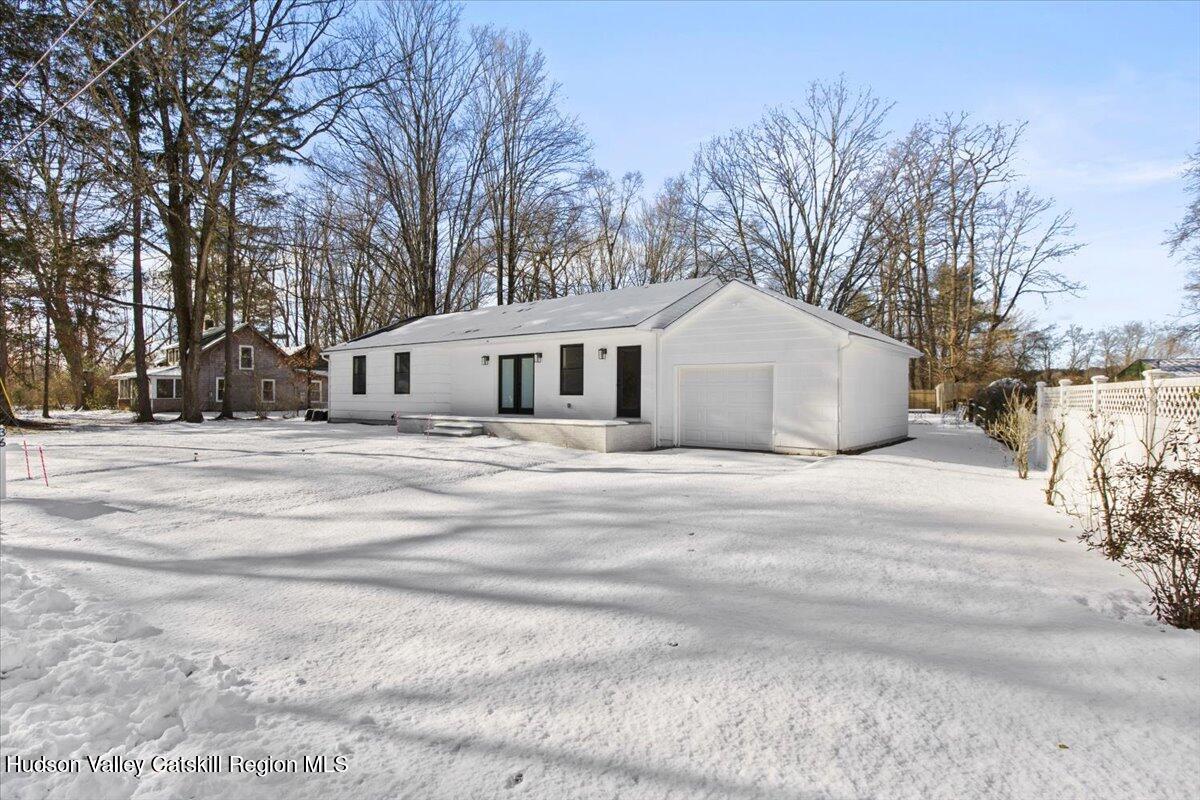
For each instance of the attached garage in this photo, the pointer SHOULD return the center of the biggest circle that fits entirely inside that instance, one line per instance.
(750, 369)
(726, 406)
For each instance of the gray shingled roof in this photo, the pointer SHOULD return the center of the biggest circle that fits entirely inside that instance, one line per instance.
(651, 307)
(1175, 366)
(656, 305)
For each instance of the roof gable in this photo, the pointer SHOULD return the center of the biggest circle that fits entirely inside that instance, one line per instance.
(831, 318)
(207, 343)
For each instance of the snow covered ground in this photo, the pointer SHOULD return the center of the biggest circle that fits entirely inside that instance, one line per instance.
(485, 618)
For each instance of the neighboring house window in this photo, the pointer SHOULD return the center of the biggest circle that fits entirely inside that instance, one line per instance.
(402, 373)
(168, 389)
(245, 357)
(220, 389)
(314, 392)
(172, 355)
(268, 391)
(360, 375)
(570, 369)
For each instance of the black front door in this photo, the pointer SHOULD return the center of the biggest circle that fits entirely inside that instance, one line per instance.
(629, 381)
(516, 384)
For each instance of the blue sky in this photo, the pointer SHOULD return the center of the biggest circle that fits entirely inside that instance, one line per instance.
(1111, 93)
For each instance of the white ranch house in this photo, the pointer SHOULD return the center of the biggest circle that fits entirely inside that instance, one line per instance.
(690, 363)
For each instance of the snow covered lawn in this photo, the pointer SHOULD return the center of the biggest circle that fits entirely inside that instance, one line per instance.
(485, 618)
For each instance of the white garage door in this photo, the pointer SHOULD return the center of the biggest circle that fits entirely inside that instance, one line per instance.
(726, 406)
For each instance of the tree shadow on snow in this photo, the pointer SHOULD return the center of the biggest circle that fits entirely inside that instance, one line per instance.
(77, 510)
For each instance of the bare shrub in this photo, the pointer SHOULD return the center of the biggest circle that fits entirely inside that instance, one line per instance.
(1147, 518)
(1015, 427)
(1102, 434)
(1056, 439)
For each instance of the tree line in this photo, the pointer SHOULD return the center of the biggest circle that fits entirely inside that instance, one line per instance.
(322, 169)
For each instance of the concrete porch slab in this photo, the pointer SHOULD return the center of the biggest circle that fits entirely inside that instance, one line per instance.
(600, 435)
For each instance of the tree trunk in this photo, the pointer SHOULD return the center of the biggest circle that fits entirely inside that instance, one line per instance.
(145, 409)
(227, 397)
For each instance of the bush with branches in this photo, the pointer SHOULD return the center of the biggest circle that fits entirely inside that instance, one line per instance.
(1056, 450)
(1145, 515)
(1015, 426)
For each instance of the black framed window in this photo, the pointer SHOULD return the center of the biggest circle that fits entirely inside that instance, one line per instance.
(570, 369)
(360, 375)
(403, 383)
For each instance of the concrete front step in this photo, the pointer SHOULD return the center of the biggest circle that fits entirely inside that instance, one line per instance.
(459, 429)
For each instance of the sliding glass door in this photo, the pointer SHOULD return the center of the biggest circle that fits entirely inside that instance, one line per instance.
(516, 384)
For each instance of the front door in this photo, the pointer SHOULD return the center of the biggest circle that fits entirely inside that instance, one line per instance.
(629, 381)
(516, 384)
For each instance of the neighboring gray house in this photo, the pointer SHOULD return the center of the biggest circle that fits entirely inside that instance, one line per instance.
(1174, 367)
(267, 377)
(696, 362)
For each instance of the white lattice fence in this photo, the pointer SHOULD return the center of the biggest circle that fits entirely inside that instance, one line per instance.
(1137, 412)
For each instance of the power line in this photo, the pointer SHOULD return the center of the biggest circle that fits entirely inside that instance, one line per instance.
(49, 49)
(95, 78)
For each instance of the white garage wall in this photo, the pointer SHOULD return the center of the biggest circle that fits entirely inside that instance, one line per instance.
(874, 391)
(451, 379)
(740, 325)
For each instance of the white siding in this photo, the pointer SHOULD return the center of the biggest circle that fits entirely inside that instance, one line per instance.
(451, 379)
(874, 394)
(742, 326)
(830, 390)
(430, 384)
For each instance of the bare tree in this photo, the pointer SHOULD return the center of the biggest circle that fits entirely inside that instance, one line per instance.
(791, 196)
(662, 234)
(1184, 240)
(534, 153)
(233, 81)
(1080, 348)
(417, 144)
(960, 246)
(608, 263)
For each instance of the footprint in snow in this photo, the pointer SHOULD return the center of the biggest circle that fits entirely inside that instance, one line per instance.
(514, 780)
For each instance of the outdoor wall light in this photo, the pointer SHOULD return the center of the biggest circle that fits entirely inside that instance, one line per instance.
(602, 352)
(485, 360)
(537, 358)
